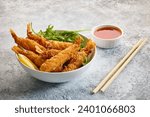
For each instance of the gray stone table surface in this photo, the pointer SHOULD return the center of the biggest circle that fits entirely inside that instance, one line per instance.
(133, 16)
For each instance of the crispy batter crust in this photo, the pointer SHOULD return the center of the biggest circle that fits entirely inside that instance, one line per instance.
(26, 43)
(59, 59)
(35, 58)
(89, 46)
(49, 53)
(79, 58)
(58, 45)
(76, 61)
(41, 40)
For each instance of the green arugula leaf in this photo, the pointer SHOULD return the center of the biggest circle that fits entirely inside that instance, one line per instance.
(59, 35)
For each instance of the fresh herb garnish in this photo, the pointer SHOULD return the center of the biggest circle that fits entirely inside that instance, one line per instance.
(59, 35)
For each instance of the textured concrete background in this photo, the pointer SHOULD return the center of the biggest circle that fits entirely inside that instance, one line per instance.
(133, 16)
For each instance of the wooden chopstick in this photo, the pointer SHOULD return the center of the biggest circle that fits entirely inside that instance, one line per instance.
(123, 66)
(103, 82)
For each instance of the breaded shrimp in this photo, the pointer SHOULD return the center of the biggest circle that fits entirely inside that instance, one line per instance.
(58, 45)
(63, 45)
(49, 53)
(78, 40)
(52, 52)
(59, 59)
(35, 58)
(79, 58)
(26, 43)
(58, 69)
(40, 40)
(89, 46)
(76, 61)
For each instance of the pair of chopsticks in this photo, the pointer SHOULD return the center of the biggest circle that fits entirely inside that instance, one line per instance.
(104, 84)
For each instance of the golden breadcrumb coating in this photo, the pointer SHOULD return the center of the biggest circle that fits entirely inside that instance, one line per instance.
(58, 45)
(79, 58)
(35, 58)
(59, 59)
(26, 43)
(89, 46)
(49, 53)
(78, 40)
(76, 61)
(41, 40)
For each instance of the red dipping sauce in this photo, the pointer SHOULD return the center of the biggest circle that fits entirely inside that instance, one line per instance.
(108, 32)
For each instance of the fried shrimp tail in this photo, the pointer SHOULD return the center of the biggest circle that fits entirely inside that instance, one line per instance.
(40, 40)
(59, 59)
(78, 40)
(76, 61)
(89, 46)
(35, 58)
(26, 43)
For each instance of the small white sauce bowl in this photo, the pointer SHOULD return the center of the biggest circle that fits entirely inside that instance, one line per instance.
(106, 43)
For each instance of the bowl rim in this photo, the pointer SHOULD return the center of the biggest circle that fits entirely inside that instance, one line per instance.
(58, 73)
(106, 25)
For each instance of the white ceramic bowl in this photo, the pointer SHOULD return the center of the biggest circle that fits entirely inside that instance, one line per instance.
(58, 77)
(106, 43)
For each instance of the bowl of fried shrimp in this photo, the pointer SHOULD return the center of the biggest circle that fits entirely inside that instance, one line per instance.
(51, 60)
